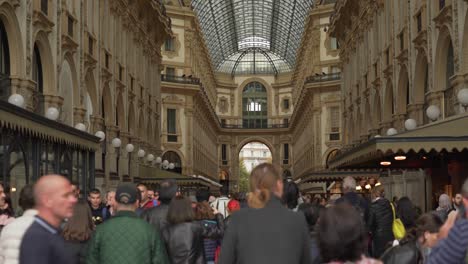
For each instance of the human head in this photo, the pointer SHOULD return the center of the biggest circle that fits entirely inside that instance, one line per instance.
(203, 211)
(80, 226)
(378, 191)
(26, 199)
(202, 195)
(156, 195)
(349, 184)
(110, 198)
(54, 198)
(143, 192)
(444, 201)
(167, 191)
(76, 189)
(290, 193)
(406, 212)
(94, 198)
(457, 200)
(180, 211)
(233, 206)
(426, 230)
(311, 213)
(211, 199)
(151, 194)
(265, 180)
(127, 197)
(6, 206)
(2, 191)
(341, 234)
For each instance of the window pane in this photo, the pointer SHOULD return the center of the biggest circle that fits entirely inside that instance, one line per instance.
(171, 121)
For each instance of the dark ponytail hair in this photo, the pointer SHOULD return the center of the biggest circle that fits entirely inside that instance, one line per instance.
(428, 222)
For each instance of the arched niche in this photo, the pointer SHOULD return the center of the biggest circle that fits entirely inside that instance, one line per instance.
(66, 92)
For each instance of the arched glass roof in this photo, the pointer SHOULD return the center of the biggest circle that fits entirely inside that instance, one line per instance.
(253, 36)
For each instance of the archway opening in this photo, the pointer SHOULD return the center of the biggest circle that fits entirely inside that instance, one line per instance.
(251, 155)
(172, 158)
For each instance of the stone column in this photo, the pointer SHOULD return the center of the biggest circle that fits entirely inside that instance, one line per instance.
(416, 112)
(111, 154)
(78, 115)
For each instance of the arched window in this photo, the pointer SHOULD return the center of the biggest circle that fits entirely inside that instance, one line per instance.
(4, 62)
(449, 93)
(4, 52)
(254, 106)
(173, 157)
(37, 69)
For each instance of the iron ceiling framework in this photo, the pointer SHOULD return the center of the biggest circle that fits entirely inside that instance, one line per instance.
(253, 36)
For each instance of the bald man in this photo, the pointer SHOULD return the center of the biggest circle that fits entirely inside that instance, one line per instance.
(42, 243)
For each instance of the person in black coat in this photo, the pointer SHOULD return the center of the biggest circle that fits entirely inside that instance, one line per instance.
(157, 216)
(184, 236)
(77, 232)
(380, 222)
(267, 232)
(354, 199)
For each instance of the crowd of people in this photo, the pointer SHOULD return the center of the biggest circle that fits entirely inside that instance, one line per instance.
(273, 223)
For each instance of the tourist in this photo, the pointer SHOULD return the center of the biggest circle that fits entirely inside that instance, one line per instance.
(7, 214)
(125, 238)
(109, 209)
(380, 222)
(184, 235)
(42, 243)
(406, 212)
(416, 245)
(341, 236)
(96, 206)
(204, 214)
(354, 199)
(145, 202)
(312, 213)
(267, 232)
(157, 216)
(220, 204)
(457, 202)
(12, 234)
(77, 231)
(445, 207)
(290, 194)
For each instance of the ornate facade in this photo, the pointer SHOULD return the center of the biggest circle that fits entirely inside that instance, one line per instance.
(95, 61)
(212, 119)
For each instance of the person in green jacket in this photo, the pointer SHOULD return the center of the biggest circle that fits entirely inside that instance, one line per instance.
(125, 238)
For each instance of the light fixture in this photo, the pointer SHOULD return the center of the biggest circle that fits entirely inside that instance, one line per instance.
(433, 112)
(129, 148)
(391, 131)
(367, 186)
(116, 142)
(80, 126)
(165, 163)
(400, 157)
(385, 163)
(16, 99)
(13, 189)
(377, 136)
(150, 157)
(100, 135)
(424, 158)
(158, 160)
(378, 184)
(410, 124)
(171, 166)
(462, 97)
(358, 188)
(165, 166)
(52, 113)
(141, 153)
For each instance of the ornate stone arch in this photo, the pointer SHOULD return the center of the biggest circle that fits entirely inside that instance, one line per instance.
(74, 75)
(328, 155)
(377, 110)
(181, 157)
(132, 125)
(269, 91)
(403, 93)
(106, 106)
(91, 90)
(443, 44)
(421, 82)
(388, 104)
(67, 90)
(120, 112)
(257, 139)
(48, 69)
(141, 125)
(15, 42)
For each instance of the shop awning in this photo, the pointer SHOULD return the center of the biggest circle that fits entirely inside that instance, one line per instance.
(450, 135)
(156, 175)
(23, 121)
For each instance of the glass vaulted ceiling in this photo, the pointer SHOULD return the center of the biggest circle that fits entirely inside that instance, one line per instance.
(252, 36)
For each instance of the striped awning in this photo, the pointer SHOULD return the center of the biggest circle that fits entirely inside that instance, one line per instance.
(450, 135)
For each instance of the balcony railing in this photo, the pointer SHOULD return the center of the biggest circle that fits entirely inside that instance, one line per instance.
(269, 126)
(323, 77)
(180, 79)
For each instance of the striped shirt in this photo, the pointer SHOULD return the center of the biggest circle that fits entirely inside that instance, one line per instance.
(453, 248)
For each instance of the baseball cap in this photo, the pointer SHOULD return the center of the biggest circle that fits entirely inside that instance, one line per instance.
(127, 193)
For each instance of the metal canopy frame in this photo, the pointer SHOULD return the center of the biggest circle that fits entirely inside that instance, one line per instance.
(246, 32)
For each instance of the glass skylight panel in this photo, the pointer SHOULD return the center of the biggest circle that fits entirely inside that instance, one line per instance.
(272, 29)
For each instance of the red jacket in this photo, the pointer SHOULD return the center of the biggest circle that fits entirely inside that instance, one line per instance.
(148, 204)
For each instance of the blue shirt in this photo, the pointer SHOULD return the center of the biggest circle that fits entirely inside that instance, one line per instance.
(453, 248)
(42, 244)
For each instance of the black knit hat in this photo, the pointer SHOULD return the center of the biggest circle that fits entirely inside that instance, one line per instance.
(127, 193)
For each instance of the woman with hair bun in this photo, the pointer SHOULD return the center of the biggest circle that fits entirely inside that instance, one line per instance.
(267, 232)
